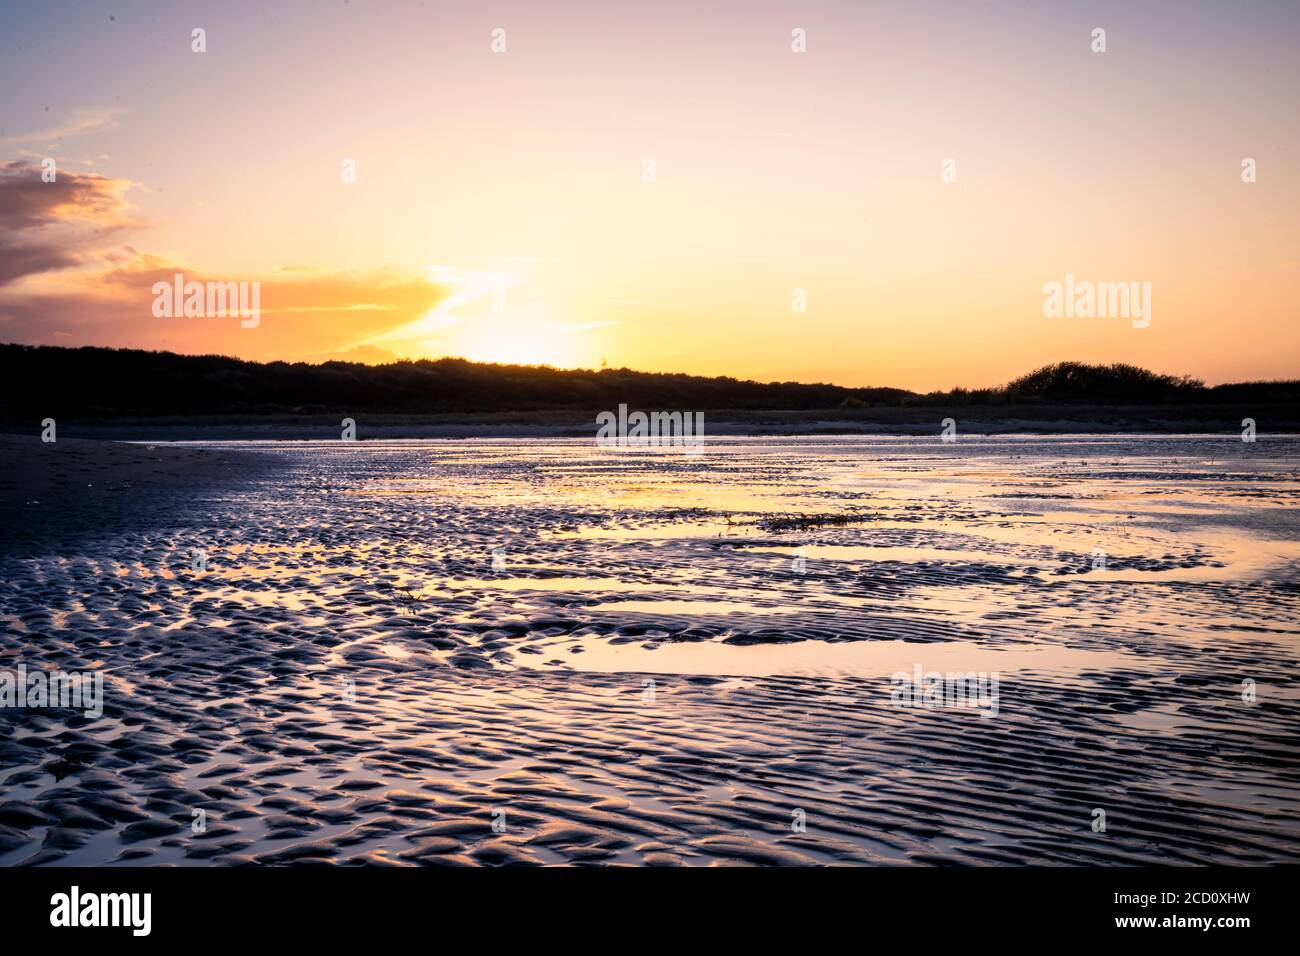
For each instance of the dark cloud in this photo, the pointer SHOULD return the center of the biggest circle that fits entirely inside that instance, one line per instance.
(50, 225)
(26, 201)
(20, 260)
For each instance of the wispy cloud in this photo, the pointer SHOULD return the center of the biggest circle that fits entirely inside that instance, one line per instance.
(77, 123)
(469, 287)
(586, 326)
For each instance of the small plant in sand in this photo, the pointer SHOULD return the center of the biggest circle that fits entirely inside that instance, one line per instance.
(806, 522)
(683, 514)
(410, 600)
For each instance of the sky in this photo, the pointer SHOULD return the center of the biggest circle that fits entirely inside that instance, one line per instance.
(664, 186)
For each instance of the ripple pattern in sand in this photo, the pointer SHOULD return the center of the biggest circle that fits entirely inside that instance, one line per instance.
(401, 654)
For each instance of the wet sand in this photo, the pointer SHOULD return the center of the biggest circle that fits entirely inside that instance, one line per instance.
(535, 651)
(53, 493)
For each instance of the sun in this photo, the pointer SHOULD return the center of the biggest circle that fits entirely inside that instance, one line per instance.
(514, 341)
(490, 316)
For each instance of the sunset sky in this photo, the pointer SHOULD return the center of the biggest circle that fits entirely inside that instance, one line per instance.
(522, 171)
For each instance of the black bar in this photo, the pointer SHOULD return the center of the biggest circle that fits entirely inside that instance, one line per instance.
(329, 905)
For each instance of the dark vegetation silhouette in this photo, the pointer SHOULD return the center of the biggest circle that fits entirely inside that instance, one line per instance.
(99, 383)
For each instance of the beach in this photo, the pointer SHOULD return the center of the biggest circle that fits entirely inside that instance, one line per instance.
(536, 651)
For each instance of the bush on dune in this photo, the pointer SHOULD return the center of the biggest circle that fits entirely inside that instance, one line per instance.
(1079, 382)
